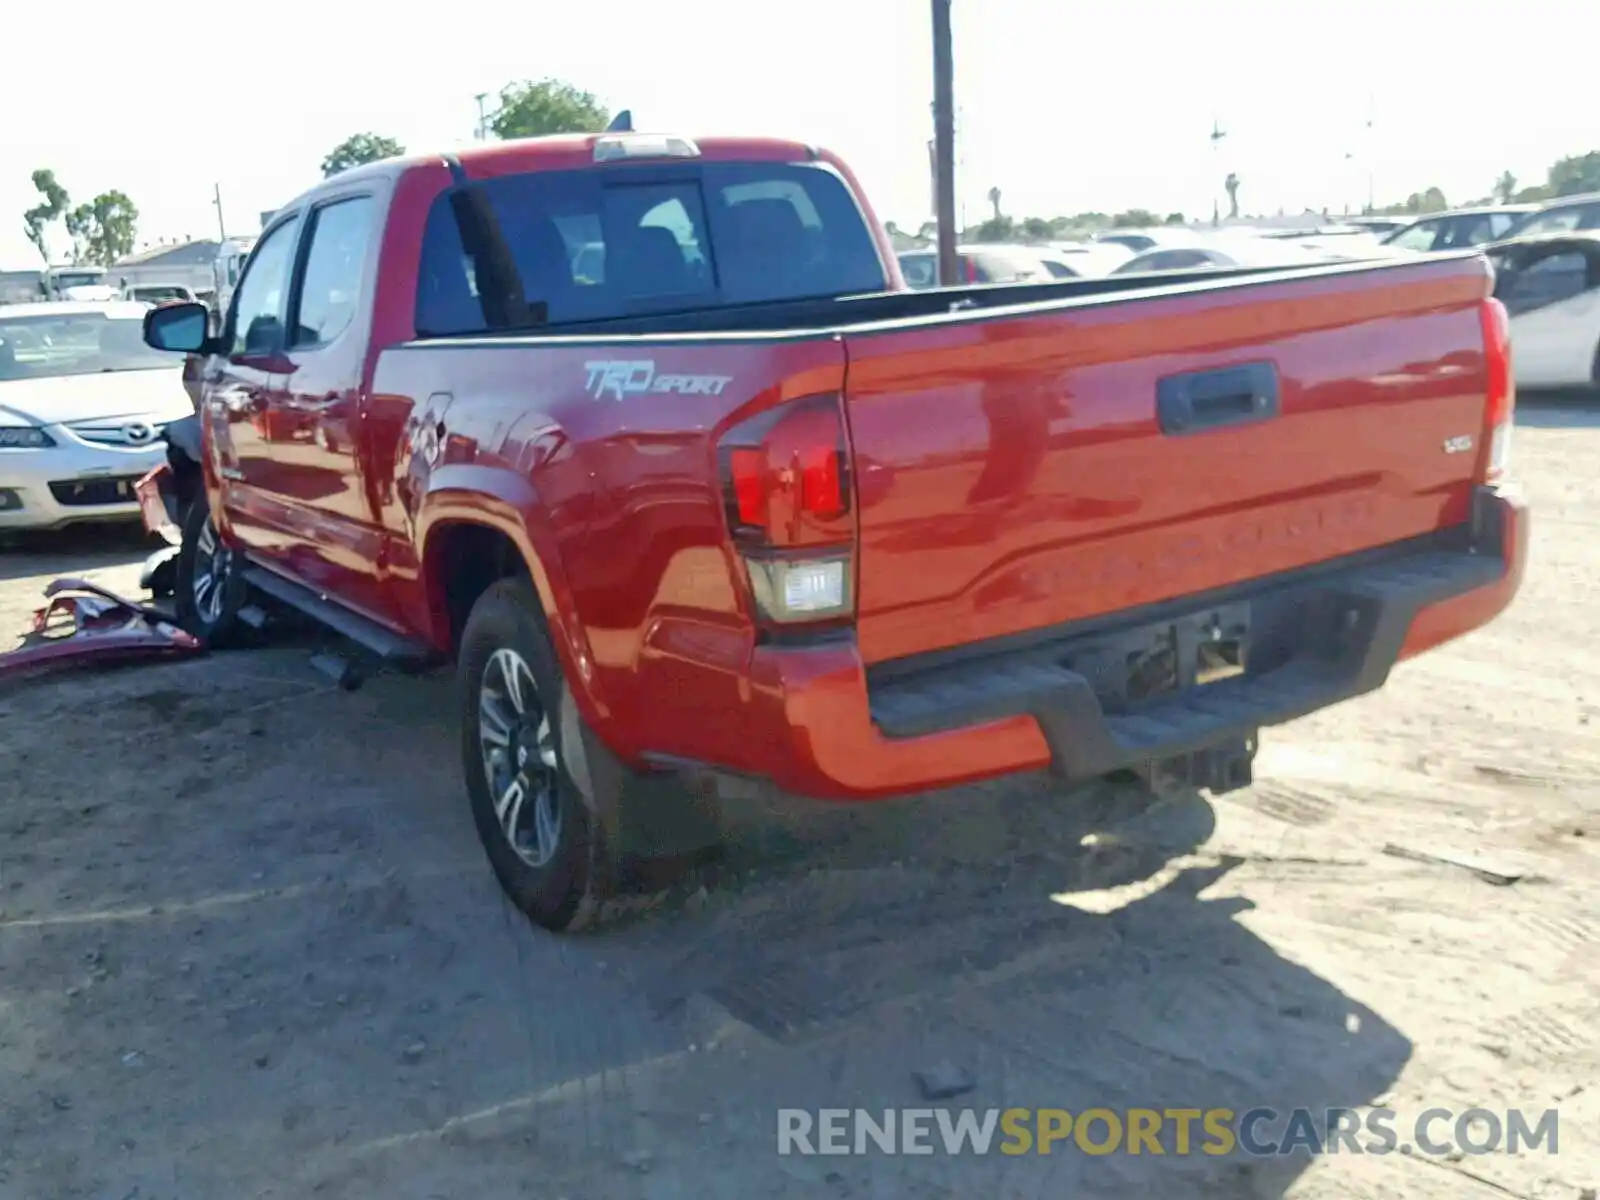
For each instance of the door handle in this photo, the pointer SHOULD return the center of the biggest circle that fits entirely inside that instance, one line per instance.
(1200, 401)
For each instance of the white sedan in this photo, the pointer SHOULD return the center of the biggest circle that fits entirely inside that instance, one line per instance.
(1237, 250)
(1550, 285)
(83, 402)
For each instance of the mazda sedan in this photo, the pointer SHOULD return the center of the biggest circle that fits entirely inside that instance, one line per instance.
(83, 402)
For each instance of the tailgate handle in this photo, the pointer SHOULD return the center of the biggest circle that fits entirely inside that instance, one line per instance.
(1205, 400)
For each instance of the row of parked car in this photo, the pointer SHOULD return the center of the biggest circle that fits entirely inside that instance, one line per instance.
(1546, 257)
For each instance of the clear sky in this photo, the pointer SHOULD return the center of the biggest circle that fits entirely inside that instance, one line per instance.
(1064, 106)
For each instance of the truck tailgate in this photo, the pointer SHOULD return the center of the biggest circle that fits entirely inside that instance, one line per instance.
(1023, 469)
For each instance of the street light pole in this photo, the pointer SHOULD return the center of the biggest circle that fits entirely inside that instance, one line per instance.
(222, 228)
(944, 143)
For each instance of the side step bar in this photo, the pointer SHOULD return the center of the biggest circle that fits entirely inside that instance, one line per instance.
(397, 650)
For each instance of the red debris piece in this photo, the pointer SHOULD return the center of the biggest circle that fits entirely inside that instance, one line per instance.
(83, 623)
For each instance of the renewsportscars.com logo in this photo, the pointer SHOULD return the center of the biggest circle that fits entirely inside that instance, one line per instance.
(1255, 1132)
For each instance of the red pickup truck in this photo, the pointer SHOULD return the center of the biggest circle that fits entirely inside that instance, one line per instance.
(648, 435)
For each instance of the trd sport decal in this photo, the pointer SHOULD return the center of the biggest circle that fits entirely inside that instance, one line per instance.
(620, 379)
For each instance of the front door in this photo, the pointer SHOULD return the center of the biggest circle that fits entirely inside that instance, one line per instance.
(327, 510)
(239, 384)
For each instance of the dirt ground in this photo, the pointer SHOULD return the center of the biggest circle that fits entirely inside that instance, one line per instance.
(249, 947)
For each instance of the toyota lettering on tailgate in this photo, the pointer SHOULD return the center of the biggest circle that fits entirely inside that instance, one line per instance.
(622, 378)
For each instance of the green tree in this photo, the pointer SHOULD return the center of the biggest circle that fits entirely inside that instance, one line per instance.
(1575, 173)
(538, 107)
(1036, 229)
(1135, 218)
(1505, 187)
(1174, 219)
(51, 208)
(995, 229)
(103, 229)
(357, 149)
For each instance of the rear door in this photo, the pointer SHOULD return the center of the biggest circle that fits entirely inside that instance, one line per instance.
(1017, 472)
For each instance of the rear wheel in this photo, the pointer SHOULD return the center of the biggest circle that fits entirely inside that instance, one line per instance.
(208, 588)
(543, 836)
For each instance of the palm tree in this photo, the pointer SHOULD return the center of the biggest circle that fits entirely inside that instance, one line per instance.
(1505, 187)
(994, 199)
(1232, 184)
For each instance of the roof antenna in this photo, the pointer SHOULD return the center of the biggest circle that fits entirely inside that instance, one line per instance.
(622, 122)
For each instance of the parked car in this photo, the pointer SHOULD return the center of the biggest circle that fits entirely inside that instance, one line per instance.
(1550, 286)
(880, 541)
(158, 293)
(1241, 250)
(1137, 241)
(1567, 214)
(1090, 259)
(1459, 230)
(978, 264)
(1379, 226)
(82, 404)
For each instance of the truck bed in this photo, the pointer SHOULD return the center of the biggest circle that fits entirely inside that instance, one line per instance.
(841, 312)
(1015, 467)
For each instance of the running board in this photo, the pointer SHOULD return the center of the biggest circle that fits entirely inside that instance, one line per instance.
(394, 649)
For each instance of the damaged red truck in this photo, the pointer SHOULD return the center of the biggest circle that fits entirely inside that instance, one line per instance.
(648, 436)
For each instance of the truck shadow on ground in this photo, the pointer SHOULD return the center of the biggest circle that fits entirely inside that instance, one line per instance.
(259, 899)
(1559, 409)
(1057, 945)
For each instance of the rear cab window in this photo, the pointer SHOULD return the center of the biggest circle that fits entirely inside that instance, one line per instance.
(602, 243)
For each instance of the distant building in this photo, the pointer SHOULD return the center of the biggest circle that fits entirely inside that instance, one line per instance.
(186, 263)
(21, 287)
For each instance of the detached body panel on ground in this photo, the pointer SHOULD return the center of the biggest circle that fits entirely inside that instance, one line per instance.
(779, 516)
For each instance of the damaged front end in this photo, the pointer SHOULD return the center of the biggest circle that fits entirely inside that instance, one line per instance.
(165, 494)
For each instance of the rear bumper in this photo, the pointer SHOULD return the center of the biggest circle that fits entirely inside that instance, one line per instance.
(821, 724)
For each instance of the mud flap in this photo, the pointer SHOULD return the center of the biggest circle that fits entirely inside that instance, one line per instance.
(645, 815)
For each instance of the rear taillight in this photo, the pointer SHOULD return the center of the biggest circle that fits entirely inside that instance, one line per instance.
(1500, 406)
(972, 270)
(786, 488)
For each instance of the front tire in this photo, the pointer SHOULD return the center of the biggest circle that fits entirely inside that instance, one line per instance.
(209, 587)
(545, 841)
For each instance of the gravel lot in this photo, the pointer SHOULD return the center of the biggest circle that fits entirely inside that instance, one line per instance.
(248, 946)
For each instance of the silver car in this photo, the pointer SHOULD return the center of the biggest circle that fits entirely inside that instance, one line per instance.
(83, 402)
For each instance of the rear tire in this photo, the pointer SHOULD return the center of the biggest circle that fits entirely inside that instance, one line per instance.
(209, 587)
(544, 837)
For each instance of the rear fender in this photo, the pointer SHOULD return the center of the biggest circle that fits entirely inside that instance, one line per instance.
(508, 502)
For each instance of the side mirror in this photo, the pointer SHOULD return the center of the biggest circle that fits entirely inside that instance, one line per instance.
(184, 328)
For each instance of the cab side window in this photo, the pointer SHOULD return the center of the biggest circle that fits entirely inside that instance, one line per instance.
(256, 326)
(334, 266)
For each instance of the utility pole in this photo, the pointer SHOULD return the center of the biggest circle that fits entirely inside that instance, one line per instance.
(483, 120)
(944, 143)
(222, 227)
(1217, 134)
(1372, 200)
